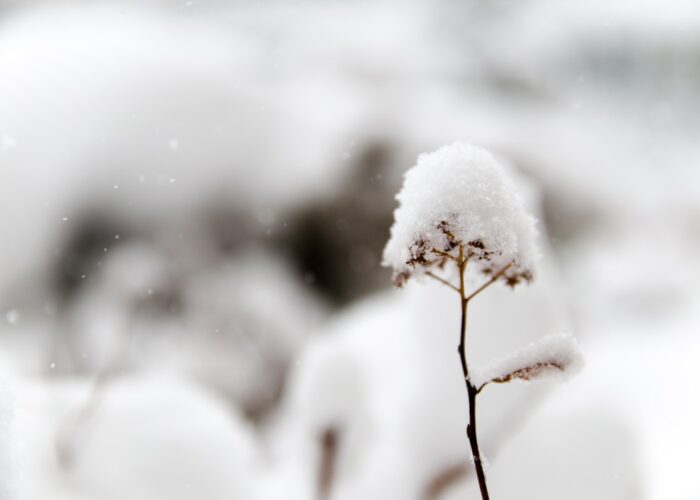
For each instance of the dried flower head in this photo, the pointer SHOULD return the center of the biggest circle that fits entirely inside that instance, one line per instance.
(460, 196)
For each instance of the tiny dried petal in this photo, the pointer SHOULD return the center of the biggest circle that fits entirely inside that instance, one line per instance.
(400, 278)
(530, 372)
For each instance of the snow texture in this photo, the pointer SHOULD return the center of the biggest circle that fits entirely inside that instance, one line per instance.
(152, 436)
(554, 354)
(460, 195)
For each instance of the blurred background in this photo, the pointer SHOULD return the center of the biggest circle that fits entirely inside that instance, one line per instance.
(194, 197)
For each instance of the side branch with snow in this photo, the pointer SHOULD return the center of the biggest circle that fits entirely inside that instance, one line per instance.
(553, 355)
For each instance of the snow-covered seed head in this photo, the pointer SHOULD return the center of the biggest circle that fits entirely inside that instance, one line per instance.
(460, 197)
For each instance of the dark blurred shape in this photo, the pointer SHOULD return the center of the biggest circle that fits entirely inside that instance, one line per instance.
(329, 443)
(445, 479)
(85, 247)
(338, 244)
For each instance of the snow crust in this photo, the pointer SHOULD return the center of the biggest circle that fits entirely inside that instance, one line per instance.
(460, 195)
(554, 354)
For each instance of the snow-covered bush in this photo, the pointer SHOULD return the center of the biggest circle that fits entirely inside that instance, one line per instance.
(458, 209)
(153, 436)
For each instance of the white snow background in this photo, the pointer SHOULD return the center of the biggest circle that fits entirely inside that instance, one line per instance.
(194, 197)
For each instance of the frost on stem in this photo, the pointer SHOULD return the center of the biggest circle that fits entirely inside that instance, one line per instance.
(552, 355)
(458, 196)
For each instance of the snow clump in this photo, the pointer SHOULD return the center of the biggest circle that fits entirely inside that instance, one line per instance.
(554, 354)
(460, 196)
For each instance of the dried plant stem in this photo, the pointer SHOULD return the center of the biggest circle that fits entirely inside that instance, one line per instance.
(445, 255)
(472, 391)
(329, 441)
(493, 279)
(443, 281)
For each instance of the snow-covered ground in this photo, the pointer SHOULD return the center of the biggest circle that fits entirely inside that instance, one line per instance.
(194, 198)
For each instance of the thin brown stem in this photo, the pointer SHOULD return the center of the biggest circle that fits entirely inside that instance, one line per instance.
(445, 254)
(443, 281)
(471, 389)
(329, 441)
(493, 279)
(474, 443)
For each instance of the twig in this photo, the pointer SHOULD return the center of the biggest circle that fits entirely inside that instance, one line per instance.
(71, 434)
(471, 389)
(444, 254)
(443, 281)
(493, 279)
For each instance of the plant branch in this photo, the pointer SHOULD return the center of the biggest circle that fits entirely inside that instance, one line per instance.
(474, 443)
(330, 443)
(445, 254)
(471, 390)
(493, 279)
(443, 281)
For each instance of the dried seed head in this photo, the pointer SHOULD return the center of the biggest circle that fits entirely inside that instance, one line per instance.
(459, 196)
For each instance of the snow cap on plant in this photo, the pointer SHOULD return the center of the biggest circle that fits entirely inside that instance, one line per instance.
(460, 196)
